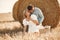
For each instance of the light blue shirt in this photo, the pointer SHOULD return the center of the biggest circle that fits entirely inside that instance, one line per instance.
(39, 14)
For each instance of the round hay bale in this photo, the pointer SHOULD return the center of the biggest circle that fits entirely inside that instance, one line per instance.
(50, 9)
(15, 11)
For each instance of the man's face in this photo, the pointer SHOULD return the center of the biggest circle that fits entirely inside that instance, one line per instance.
(31, 11)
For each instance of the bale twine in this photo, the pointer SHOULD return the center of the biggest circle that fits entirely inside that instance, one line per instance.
(50, 9)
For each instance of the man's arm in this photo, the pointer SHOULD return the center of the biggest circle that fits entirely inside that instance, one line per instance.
(41, 16)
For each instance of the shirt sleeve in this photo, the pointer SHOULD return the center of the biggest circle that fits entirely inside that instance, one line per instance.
(33, 17)
(39, 13)
(25, 23)
(41, 16)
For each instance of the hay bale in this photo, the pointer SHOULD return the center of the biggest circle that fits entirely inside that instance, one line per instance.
(50, 9)
(15, 11)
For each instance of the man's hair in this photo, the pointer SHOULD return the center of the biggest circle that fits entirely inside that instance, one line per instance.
(29, 7)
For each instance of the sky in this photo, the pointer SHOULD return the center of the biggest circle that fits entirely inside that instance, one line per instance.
(7, 5)
(59, 2)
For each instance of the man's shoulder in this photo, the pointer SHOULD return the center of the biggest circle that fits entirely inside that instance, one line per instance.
(37, 8)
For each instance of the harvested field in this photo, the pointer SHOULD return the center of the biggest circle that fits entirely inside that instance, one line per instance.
(10, 28)
(18, 35)
(7, 23)
(6, 17)
(53, 35)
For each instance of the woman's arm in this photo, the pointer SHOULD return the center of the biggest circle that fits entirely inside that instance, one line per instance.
(34, 19)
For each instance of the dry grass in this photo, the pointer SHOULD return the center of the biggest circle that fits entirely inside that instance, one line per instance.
(6, 17)
(7, 22)
(53, 35)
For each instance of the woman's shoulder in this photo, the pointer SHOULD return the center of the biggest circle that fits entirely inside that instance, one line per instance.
(24, 19)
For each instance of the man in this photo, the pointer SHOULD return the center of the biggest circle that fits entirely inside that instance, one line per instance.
(36, 11)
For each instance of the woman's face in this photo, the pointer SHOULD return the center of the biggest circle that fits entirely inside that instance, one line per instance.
(27, 14)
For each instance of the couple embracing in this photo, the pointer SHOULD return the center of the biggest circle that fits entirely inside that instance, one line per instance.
(33, 18)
